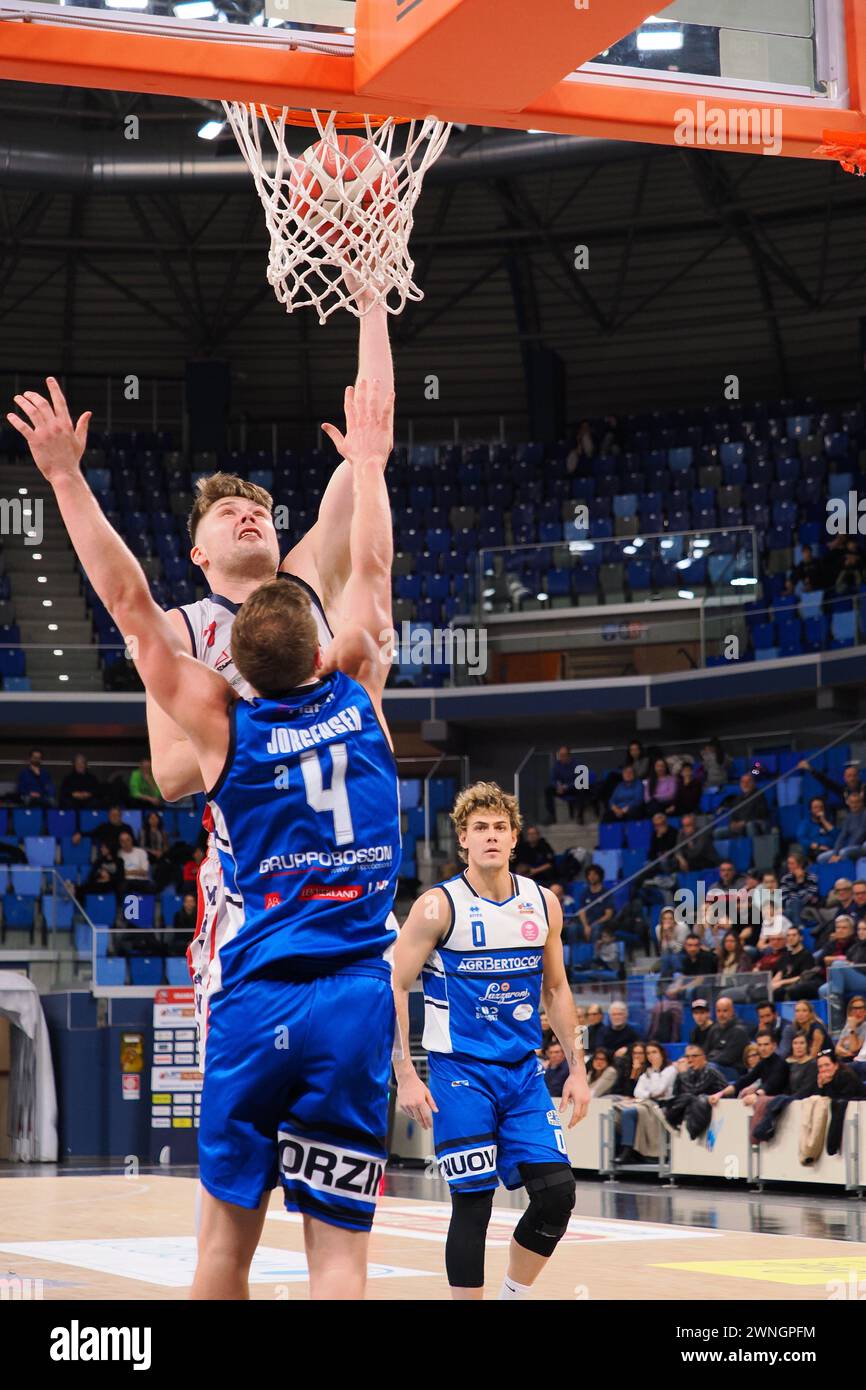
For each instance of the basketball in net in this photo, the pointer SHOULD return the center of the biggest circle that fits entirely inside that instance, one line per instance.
(336, 178)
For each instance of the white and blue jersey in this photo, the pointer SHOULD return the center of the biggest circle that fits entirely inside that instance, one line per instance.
(482, 985)
(482, 991)
(307, 826)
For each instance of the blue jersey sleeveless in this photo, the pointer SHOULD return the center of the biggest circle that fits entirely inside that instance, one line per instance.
(307, 825)
(482, 984)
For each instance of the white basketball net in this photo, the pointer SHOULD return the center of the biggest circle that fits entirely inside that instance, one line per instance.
(339, 234)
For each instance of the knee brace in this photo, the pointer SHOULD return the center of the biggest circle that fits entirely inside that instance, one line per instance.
(464, 1248)
(551, 1189)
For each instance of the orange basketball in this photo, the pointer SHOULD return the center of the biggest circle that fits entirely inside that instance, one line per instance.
(328, 180)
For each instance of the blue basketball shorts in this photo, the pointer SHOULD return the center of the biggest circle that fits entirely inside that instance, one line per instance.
(491, 1119)
(296, 1091)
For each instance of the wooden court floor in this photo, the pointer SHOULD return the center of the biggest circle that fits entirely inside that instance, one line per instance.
(117, 1237)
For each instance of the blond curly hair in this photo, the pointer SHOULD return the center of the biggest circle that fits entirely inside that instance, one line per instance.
(483, 796)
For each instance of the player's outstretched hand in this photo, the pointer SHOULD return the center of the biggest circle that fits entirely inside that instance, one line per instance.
(55, 443)
(416, 1101)
(577, 1092)
(369, 424)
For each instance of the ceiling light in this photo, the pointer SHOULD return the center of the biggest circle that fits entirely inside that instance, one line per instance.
(542, 597)
(58, 651)
(666, 544)
(638, 541)
(211, 129)
(685, 593)
(629, 550)
(63, 678)
(46, 603)
(743, 581)
(22, 492)
(659, 40)
(37, 555)
(52, 627)
(42, 579)
(683, 564)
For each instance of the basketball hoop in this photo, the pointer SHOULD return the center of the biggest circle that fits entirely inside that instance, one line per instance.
(340, 214)
(848, 146)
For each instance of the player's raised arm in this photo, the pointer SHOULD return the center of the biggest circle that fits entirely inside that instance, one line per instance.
(366, 624)
(323, 556)
(425, 926)
(194, 696)
(559, 1005)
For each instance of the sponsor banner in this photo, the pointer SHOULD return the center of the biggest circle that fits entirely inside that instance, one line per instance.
(130, 1086)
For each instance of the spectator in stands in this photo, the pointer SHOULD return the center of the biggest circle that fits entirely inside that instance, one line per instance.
(782, 1032)
(109, 832)
(703, 1023)
(659, 879)
(767, 891)
(618, 1034)
(602, 1072)
(850, 841)
(807, 1023)
(689, 793)
(638, 1124)
(184, 921)
(816, 832)
(839, 1082)
(748, 812)
(769, 1073)
(855, 1021)
(724, 892)
(556, 1071)
(799, 887)
(593, 915)
(851, 779)
(660, 790)
(796, 975)
(850, 576)
(750, 1055)
(694, 848)
(638, 759)
(562, 784)
(662, 841)
(585, 444)
(671, 937)
(143, 790)
(714, 764)
(848, 975)
(858, 905)
(136, 866)
(189, 873)
(534, 857)
(732, 958)
(611, 440)
(694, 963)
(726, 1040)
(802, 1069)
(155, 843)
(630, 1065)
(697, 1079)
(808, 565)
(594, 1025)
(79, 788)
(626, 801)
(35, 784)
(838, 944)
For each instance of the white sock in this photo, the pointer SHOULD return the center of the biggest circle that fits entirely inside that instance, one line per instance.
(511, 1289)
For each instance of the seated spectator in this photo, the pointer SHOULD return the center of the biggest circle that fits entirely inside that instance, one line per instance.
(697, 1079)
(638, 760)
(782, 1032)
(807, 565)
(714, 764)
(703, 1023)
(689, 792)
(562, 786)
(693, 964)
(106, 872)
(802, 1069)
(184, 921)
(816, 832)
(855, 1020)
(662, 841)
(858, 906)
(694, 848)
(750, 1055)
(767, 891)
(630, 1065)
(155, 843)
(850, 840)
(627, 800)
(799, 887)
(638, 1126)
(594, 914)
(606, 956)
(108, 832)
(79, 788)
(726, 1040)
(189, 873)
(658, 881)
(846, 975)
(769, 1073)
(660, 789)
(807, 1023)
(748, 813)
(850, 576)
(838, 1083)
(732, 958)
(671, 936)
(594, 1025)
(724, 893)
(35, 785)
(556, 1071)
(796, 974)
(143, 790)
(840, 941)
(136, 865)
(534, 857)
(601, 1074)
(618, 1034)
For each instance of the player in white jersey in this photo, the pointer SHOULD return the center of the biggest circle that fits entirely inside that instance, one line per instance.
(488, 944)
(235, 545)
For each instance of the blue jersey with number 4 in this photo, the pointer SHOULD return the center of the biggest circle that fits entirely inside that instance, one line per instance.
(307, 824)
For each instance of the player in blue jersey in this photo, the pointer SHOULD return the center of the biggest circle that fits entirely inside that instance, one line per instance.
(488, 944)
(303, 788)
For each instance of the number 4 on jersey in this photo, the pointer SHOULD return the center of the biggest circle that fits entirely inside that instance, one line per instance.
(335, 799)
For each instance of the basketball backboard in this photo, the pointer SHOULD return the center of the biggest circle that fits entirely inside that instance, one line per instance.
(732, 74)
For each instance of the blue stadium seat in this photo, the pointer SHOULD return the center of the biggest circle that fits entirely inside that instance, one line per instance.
(80, 853)
(41, 850)
(827, 874)
(145, 970)
(101, 908)
(18, 911)
(137, 909)
(60, 823)
(58, 912)
(110, 971)
(177, 971)
(26, 881)
(28, 820)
